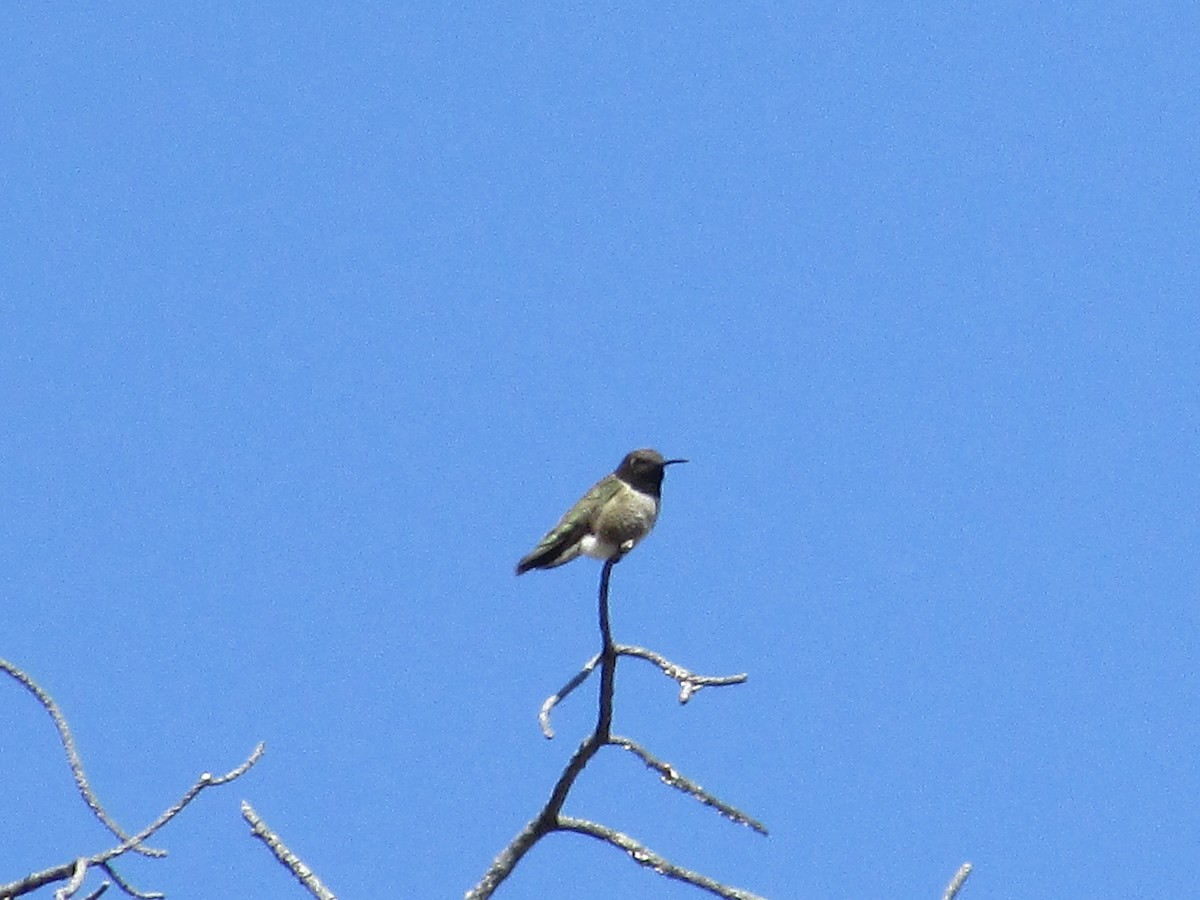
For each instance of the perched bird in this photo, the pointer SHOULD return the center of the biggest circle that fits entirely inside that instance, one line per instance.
(610, 519)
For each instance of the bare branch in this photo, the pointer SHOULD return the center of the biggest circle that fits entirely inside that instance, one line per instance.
(206, 780)
(67, 871)
(547, 820)
(550, 818)
(73, 758)
(644, 856)
(127, 887)
(36, 880)
(290, 860)
(78, 873)
(689, 682)
(670, 776)
(956, 883)
(506, 860)
(554, 700)
(542, 824)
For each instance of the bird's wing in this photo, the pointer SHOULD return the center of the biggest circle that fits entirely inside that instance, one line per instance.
(570, 528)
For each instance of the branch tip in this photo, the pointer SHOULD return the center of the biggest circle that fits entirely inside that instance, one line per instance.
(957, 882)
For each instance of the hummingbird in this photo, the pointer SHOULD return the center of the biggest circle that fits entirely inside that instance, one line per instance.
(610, 519)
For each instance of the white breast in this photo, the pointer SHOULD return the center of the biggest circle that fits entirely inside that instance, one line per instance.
(622, 527)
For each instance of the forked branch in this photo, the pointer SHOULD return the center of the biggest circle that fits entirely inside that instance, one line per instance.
(550, 818)
(74, 871)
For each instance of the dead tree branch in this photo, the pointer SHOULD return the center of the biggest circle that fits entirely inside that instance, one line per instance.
(73, 758)
(672, 778)
(550, 818)
(554, 699)
(644, 856)
(689, 682)
(956, 883)
(290, 861)
(74, 872)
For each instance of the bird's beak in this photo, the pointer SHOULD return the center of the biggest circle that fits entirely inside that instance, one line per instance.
(671, 462)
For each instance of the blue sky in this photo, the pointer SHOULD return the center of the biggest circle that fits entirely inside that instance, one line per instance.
(315, 319)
